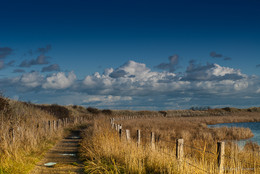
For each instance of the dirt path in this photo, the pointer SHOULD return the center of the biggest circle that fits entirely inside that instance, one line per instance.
(65, 155)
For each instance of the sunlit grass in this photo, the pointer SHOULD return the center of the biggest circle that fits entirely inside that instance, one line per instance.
(23, 135)
(105, 152)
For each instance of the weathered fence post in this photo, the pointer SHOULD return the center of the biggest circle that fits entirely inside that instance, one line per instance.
(152, 141)
(179, 149)
(127, 134)
(49, 124)
(120, 131)
(57, 124)
(53, 125)
(221, 153)
(138, 137)
(113, 125)
(63, 122)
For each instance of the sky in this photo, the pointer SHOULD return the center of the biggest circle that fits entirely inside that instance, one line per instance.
(140, 55)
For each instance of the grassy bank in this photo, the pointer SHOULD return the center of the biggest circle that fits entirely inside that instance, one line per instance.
(23, 136)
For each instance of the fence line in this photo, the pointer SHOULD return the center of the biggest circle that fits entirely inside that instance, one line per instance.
(180, 148)
(197, 167)
(49, 126)
(201, 150)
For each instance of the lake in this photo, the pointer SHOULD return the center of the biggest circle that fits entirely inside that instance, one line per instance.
(254, 126)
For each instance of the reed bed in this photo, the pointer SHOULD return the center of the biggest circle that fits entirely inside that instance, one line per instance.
(105, 152)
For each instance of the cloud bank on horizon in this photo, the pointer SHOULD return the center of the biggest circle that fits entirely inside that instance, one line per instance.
(133, 85)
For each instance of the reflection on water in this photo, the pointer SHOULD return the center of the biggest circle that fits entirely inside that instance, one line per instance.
(254, 126)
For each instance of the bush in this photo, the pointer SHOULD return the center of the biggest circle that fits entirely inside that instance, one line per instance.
(164, 113)
(254, 109)
(93, 110)
(3, 104)
(56, 110)
(107, 112)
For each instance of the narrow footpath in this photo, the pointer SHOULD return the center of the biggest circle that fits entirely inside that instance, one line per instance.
(62, 158)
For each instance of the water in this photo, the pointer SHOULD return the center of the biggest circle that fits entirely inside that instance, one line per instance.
(254, 126)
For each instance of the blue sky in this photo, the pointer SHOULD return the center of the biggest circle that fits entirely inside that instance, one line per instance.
(139, 55)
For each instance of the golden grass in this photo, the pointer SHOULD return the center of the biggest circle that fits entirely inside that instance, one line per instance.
(105, 152)
(189, 128)
(23, 136)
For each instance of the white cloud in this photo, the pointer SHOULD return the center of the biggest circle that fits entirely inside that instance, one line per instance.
(32, 80)
(211, 72)
(240, 85)
(135, 78)
(59, 81)
(135, 85)
(106, 99)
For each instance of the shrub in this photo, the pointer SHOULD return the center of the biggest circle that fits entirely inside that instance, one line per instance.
(56, 110)
(93, 110)
(164, 113)
(3, 103)
(107, 112)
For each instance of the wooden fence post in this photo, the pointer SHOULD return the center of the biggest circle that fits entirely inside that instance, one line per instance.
(49, 124)
(138, 137)
(113, 125)
(127, 134)
(221, 153)
(53, 122)
(63, 122)
(120, 131)
(179, 149)
(152, 141)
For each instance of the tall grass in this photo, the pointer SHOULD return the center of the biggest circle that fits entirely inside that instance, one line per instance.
(190, 129)
(23, 136)
(105, 152)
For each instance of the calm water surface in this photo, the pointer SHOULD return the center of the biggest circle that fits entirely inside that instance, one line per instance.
(254, 126)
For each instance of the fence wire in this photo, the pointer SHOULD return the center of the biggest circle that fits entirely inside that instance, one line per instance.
(197, 167)
(198, 149)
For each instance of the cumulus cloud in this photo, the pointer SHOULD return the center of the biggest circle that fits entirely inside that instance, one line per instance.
(59, 81)
(30, 80)
(40, 60)
(5, 51)
(171, 66)
(137, 79)
(211, 72)
(135, 85)
(53, 67)
(106, 99)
